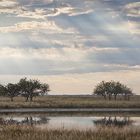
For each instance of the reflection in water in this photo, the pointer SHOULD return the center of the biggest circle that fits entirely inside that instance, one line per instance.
(114, 121)
(31, 121)
(81, 123)
(24, 121)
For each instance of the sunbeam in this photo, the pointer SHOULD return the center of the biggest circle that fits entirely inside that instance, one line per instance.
(64, 40)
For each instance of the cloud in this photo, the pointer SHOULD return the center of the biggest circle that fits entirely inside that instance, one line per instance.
(73, 53)
(70, 36)
(37, 13)
(127, 56)
(53, 61)
(9, 7)
(70, 11)
(49, 26)
(74, 44)
(7, 3)
(134, 28)
(132, 9)
(28, 10)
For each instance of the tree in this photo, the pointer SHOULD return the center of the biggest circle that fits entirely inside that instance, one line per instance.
(127, 92)
(2, 90)
(29, 88)
(100, 89)
(44, 89)
(109, 89)
(117, 89)
(12, 90)
(112, 88)
(24, 84)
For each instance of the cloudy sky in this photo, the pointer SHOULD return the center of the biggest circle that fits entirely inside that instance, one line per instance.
(70, 44)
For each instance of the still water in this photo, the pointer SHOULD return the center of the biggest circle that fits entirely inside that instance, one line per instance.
(69, 122)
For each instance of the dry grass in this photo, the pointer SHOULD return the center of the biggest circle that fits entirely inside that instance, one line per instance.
(69, 102)
(106, 133)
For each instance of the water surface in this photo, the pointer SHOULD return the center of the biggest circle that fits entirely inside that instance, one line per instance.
(43, 121)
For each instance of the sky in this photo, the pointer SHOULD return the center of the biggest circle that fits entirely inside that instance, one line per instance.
(70, 44)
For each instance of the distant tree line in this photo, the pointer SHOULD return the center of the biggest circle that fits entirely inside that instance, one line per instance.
(112, 89)
(26, 88)
(29, 88)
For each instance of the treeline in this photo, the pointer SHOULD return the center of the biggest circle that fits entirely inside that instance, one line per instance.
(26, 88)
(112, 89)
(29, 89)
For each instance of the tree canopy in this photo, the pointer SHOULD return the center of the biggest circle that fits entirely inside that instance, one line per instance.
(2, 90)
(112, 88)
(27, 88)
(12, 90)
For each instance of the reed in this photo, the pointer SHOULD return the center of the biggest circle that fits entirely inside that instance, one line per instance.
(101, 133)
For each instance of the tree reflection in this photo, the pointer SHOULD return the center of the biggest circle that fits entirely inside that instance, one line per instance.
(114, 121)
(29, 120)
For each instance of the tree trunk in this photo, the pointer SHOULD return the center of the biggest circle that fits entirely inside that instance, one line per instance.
(27, 99)
(12, 99)
(31, 98)
(105, 97)
(125, 97)
(128, 98)
(109, 97)
(115, 96)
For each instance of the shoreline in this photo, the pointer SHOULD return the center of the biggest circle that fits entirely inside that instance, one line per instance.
(67, 110)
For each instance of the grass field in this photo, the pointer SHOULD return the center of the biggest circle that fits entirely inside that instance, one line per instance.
(69, 102)
(106, 133)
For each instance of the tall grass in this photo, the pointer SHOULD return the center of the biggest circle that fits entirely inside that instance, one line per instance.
(101, 133)
(69, 102)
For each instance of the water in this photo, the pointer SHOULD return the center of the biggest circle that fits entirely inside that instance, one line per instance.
(69, 122)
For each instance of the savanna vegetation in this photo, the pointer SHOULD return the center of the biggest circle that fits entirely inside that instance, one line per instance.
(112, 88)
(25, 88)
(75, 101)
(34, 91)
(101, 133)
